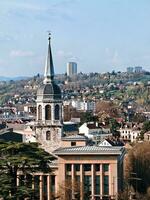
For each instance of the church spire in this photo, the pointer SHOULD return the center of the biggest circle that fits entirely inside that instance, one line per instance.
(49, 68)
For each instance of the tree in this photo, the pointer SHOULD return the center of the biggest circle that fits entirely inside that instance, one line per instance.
(106, 107)
(69, 190)
(88, 117)
(20, 158)
(137, 167)
(114, 125)
(145, 128)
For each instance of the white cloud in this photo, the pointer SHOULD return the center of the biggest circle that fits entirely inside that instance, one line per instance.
(20, 53)
(62, 54)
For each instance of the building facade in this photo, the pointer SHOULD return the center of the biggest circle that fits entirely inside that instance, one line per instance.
(83, 105)
(71, 68)
(49, 108)
(97, 171)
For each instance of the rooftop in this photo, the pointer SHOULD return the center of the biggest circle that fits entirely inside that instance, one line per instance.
(90, 150)
(75, 138)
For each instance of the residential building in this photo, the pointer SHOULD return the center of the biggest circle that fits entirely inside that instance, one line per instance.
(83, 105)
(130, 132)
(110, 142)
(70, 128)
(94, 131)
(7, 135)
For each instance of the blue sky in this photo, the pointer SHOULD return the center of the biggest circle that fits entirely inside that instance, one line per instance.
(100, 35)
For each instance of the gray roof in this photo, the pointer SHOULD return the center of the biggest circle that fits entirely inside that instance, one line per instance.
(89, 150)
(48, 91)
(75, 138)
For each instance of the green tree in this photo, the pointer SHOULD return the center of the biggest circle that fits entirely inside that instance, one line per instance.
(145, 128)
(88, 117)
(114, 125)
(20, 158)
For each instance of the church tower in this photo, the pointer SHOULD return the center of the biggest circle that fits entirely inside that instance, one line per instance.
(49, 108)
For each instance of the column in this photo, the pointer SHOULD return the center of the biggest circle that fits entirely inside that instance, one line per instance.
(41, 187)
(111, 183)
(48, 187)
(81, 182)
(101, 180)
(93, 181)
(72, 179)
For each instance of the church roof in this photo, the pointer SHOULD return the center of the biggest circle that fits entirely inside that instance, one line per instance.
(49, 89)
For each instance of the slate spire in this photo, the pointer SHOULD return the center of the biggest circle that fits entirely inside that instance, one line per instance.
(49, 68)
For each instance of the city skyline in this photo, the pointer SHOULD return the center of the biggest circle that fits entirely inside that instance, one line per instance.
(115, 35)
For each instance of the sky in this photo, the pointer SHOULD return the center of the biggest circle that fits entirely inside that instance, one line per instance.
(100, 35)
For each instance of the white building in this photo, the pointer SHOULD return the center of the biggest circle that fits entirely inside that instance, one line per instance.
(94, 131)
(71, 68)
(83, 105)
(130, 134)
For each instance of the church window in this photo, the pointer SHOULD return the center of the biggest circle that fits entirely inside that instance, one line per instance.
(48, 135)
(47, 112)
(39, 112)
(57, 112)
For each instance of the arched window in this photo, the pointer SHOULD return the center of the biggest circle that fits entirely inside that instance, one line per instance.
(48, 135)
(39, 112)
(47, 112)
(57, 112)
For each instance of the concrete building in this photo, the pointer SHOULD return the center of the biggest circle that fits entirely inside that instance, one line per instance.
(138, 69)
(98, 172)
(71, 68)
(130, 69)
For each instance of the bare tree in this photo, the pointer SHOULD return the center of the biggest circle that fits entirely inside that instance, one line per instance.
(69, 190)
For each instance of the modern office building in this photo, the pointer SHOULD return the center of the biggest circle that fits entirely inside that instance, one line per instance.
(130, 69)
(71, 68)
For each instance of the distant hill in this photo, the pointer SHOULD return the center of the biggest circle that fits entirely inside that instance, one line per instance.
(18, 78)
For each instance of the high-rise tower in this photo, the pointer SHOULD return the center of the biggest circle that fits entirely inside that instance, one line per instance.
(49, 108)
(71, 69)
